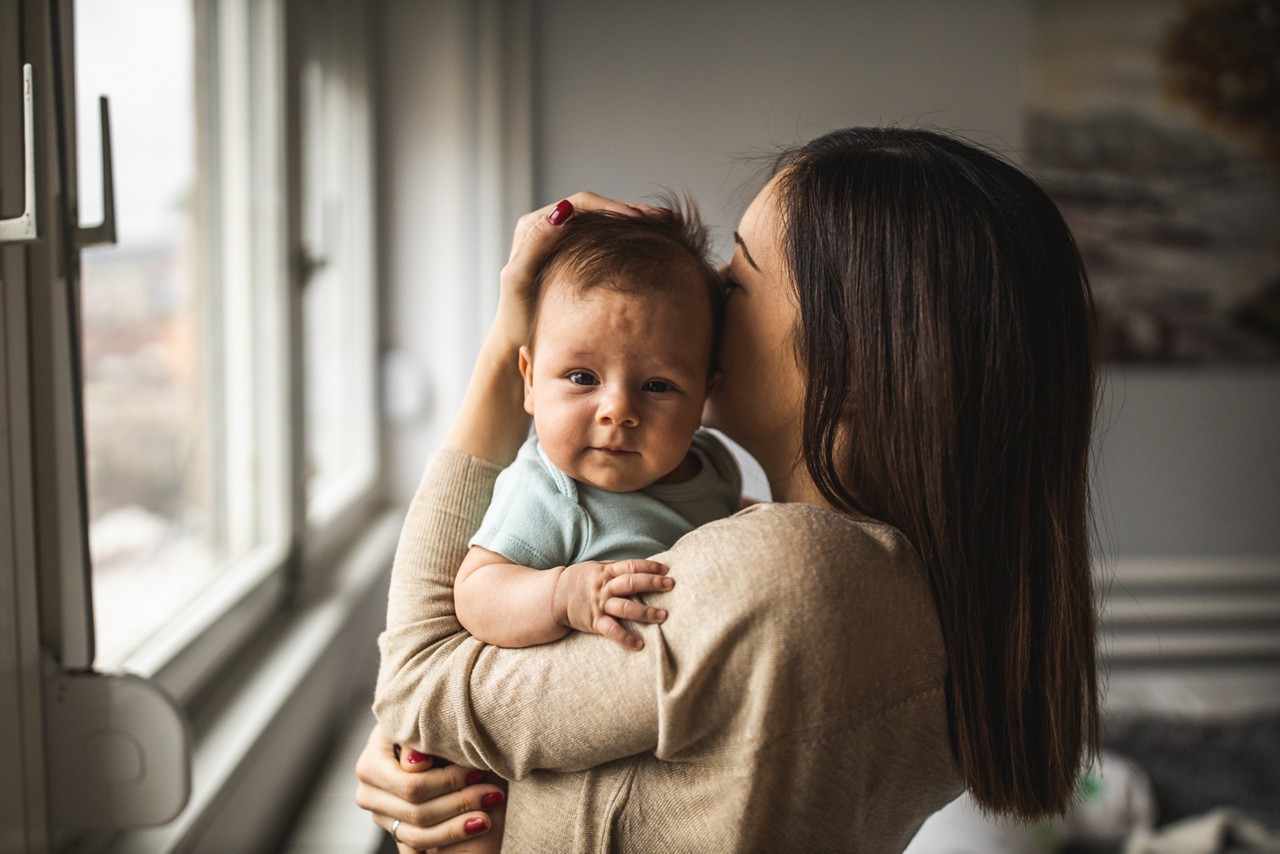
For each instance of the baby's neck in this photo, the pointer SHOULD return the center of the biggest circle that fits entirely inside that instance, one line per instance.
(687, 470)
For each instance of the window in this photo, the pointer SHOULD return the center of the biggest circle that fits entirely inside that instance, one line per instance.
(193, 332)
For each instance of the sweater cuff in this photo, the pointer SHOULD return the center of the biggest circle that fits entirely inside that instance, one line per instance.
(460, 482)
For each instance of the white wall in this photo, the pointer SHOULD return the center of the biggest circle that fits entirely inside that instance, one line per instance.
(454, 175)
(1190, 463)
(630, 96)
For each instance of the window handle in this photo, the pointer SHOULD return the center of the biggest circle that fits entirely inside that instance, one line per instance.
(105, 233)
(22, 228)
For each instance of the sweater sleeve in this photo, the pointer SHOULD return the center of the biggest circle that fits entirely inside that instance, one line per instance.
(566, 706)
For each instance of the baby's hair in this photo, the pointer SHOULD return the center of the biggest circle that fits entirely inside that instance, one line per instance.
(635, 255)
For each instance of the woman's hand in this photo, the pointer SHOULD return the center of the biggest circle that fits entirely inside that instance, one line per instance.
(492, 423)
(435, 807)
(535, 235)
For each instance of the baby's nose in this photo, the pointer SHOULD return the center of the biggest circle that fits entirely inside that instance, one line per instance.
(617, 407)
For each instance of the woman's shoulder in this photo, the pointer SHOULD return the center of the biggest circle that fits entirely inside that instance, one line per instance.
(819, 577)
(790, 542)
(810, 530)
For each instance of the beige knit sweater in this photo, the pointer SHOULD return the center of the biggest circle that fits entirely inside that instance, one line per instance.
(792, 701)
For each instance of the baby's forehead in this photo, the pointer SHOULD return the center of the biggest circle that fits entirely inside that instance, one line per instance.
(564, 293)
(673, 317)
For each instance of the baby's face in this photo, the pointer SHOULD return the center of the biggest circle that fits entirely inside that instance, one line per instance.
(616, 382)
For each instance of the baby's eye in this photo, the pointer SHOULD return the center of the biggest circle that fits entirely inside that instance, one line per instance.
(582, 378)
(730, 285)
(657, 386)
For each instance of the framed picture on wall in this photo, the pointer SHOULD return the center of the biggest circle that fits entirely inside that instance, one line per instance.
(1155, 125)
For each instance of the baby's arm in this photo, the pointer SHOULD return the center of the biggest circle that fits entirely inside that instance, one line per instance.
(509, 605)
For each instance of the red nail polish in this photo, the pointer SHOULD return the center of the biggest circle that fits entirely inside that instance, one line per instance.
(475, 825)
(415, 757)
(492, 799)
(563, 211)
(475, 777)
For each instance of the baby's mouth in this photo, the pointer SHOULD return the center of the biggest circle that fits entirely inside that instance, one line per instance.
(610, 451)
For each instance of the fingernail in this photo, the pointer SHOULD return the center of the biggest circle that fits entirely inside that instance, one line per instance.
(415, 757)
(474, 825)
(562, 211)
(475, 777)
(492, 799)
(662, 615)
(668, 583)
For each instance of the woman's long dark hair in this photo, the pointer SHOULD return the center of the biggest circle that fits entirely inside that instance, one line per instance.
(946, 332)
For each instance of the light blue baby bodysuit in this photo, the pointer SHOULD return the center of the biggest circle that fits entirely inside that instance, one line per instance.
(542, 518)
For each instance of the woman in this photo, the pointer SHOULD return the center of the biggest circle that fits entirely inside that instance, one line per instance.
(909, 354)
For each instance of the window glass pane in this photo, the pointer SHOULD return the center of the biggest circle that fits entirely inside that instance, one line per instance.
(332, 344)
(338, 298)
(151, 376)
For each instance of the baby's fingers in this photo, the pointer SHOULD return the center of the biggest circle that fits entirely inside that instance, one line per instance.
(638, 582)
(634, 565)
(609, 627)
(636, 612)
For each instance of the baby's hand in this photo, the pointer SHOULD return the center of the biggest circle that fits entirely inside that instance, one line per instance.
(589, 596)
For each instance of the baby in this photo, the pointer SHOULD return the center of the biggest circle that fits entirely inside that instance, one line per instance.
(620, 360)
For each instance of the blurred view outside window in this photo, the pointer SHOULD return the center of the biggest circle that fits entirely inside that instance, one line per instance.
(338, 299)
(153, 389)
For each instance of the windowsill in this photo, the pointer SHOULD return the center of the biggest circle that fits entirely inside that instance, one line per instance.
(267, 731)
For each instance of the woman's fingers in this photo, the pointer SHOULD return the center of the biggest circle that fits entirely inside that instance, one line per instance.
(430, 813)
(379, 762)
(428, 806)
(411, 837)
(379, 770)
(537, 231)
(413, 761)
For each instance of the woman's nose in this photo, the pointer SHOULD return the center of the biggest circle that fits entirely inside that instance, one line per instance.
(617, 407)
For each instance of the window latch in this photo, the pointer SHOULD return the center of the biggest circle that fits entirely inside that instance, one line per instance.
(23, 228)
(103, 234)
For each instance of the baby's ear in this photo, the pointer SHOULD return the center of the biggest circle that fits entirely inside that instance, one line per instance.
(526, 371)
